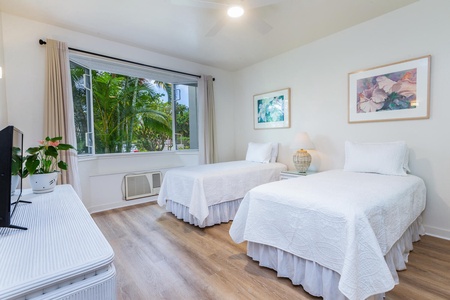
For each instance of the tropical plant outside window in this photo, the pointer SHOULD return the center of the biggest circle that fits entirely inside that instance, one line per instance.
(116, 113)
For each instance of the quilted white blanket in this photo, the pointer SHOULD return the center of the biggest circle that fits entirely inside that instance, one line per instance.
(205, 185)
(344, 221)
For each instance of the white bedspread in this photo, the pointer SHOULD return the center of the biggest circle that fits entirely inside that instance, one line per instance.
(344, 221)
(205, 185)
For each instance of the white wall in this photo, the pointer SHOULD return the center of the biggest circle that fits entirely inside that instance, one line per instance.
(3, 106)
(25, 84)
(317, 75)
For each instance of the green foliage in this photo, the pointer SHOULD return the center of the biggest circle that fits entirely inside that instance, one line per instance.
(16, 162)
(44, 158)
(128, 113)
(122, 105)
(182, 124)
(80, 106)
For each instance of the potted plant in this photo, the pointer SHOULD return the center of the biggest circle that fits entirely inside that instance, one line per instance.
(42, 164)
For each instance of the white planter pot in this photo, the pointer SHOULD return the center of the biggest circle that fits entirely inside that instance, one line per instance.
(14, 182)
(43, 183)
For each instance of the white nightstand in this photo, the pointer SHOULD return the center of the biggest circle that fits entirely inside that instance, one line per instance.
(293, 174)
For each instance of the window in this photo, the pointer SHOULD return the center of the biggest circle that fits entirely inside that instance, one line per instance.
(120, 108)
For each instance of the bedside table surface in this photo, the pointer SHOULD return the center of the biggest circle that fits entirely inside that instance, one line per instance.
(292, 172)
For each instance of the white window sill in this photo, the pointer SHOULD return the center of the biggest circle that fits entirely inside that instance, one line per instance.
(87, 157)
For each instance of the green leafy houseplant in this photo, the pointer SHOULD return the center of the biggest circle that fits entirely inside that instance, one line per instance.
(44, 158)
(16, 168)
(16, 162)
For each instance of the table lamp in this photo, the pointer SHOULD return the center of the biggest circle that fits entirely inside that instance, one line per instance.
(301, 158)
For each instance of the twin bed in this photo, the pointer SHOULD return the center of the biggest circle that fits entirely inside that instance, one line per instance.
(341, 234)
(206, 195)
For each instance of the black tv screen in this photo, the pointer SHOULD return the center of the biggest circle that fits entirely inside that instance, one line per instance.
(11, 153)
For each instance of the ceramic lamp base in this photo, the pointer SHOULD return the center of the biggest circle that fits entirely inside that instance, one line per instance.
(302, 160)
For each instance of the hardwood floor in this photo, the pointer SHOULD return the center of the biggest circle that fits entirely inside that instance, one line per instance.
(160, 257)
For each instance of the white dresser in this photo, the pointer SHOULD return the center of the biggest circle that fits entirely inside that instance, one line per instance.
(62, 255)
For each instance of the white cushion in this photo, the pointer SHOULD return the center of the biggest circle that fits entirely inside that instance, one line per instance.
(406, 163)
(274, 153)
(259, 152)
(389, 158)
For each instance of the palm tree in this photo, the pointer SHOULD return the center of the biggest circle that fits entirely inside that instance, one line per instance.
(166, 87)
(121, 104)
(127, 111)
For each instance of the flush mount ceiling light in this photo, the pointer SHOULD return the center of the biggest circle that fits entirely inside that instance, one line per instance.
(235, 11)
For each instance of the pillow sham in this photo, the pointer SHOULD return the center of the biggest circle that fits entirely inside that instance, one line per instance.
(406, 162)
(259, 152)
(274, 153)
(389, 158)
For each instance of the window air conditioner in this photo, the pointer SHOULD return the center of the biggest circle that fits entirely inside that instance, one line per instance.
(142, 185)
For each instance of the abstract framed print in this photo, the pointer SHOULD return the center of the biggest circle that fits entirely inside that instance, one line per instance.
(398, 91)
(271, 110)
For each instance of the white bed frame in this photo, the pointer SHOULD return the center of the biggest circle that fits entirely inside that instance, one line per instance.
(323, 282)
(218, 213)
(341, 241)
(220, 186)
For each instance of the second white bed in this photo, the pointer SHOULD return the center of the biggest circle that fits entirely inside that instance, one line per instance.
(210, 194)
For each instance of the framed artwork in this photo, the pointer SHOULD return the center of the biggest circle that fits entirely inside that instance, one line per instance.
(399, 91)
(271, 110)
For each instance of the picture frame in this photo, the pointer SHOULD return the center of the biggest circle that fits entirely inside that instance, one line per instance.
(271, 110)
(397, 91)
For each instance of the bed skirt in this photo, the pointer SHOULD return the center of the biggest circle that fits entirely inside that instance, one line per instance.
(218, 213)
(321, 281)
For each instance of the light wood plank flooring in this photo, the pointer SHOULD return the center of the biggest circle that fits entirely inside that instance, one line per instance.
(160, 257)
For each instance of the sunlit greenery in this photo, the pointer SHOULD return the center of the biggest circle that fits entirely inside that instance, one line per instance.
(129, 115)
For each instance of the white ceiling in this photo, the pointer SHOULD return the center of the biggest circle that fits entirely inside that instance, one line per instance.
(179, 27)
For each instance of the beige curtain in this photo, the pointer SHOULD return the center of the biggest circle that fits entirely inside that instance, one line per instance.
(59, 119)
(206, 121)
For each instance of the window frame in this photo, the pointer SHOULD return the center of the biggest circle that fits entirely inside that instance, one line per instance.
(90, 62)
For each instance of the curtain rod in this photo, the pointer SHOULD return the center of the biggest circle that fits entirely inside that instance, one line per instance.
(42, 42)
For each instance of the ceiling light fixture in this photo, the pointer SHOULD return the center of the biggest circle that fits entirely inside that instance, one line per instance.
(235, 11)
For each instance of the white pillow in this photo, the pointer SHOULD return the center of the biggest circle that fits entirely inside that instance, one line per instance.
(389, 158)
(259, 152)
(274, 153)
(406, 163)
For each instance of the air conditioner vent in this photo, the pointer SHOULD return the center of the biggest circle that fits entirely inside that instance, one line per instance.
(142, 185)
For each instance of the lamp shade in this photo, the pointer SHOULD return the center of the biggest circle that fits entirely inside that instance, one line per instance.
(302, 141)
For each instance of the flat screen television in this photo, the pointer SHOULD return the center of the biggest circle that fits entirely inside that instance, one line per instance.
(11, 153)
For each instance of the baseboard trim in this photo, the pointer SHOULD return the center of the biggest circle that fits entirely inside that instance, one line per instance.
(437, 232)
(109, 206)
